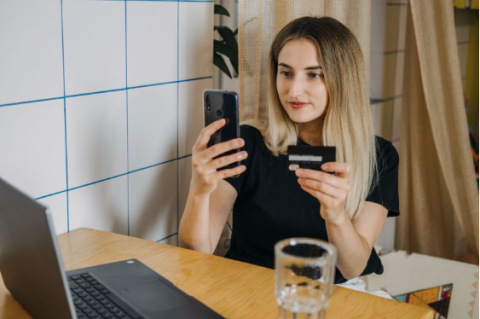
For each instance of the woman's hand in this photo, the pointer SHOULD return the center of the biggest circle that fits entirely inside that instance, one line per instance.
(330, 190)
(204, 167)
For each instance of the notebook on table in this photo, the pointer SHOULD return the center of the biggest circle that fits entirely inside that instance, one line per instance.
(32, 270)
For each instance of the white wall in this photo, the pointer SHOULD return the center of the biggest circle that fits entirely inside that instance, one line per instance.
(100, 104)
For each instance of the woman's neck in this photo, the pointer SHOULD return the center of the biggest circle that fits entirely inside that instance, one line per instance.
(311, 132)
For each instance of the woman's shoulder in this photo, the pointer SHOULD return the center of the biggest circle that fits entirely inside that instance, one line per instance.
(385, 151)
(252, 135)
(249, 129)
(250, 132)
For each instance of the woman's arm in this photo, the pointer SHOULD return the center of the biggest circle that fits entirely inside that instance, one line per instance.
(204, 218)
(210, 198)
(354, 238)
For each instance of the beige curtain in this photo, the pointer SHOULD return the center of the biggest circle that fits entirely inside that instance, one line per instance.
(260, 21)
(438, 191)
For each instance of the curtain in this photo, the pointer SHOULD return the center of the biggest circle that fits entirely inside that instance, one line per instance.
(260, 21)
(437, 186)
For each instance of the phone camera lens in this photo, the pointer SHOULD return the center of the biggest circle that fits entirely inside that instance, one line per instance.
(219, 113)
(207, 102)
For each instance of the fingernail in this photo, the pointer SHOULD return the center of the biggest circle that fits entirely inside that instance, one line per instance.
(299, 171)
(325, 166)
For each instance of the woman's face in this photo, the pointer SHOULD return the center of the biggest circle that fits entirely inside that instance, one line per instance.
(300, 82)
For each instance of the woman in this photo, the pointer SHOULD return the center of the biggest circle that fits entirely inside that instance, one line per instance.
(318, 95)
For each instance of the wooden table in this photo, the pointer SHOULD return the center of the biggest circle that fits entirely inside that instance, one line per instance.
(233, 289)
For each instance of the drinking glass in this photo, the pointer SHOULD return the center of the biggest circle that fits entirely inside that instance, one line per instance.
(304, 274)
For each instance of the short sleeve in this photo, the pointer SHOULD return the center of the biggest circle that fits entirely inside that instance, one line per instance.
(384, 189)
(249, 135)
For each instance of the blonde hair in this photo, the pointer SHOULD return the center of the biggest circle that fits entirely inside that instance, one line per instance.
(348, 123)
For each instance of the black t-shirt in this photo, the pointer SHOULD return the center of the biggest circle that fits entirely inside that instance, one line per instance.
(271, 206)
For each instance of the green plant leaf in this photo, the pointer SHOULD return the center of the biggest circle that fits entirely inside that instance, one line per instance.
(223, 48)
(235, 32)
(218, 9)
(231, 45)
(227, 34)
(220, 63)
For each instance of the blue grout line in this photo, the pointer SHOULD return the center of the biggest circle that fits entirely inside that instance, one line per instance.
(148, 85)
(96, 182)
(376, 101)
(34, 101)
(100, 92)
(93, 93)
(65, 121)
(128, 173)
(154, 165)
(49, 195)
(178, 85)
(167, 237)
(128, 149)
(393, 52)
(189, 80)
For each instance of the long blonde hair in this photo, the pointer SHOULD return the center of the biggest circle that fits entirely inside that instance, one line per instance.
(348, 123)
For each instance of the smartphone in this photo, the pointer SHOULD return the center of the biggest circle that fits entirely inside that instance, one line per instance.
(222, 105)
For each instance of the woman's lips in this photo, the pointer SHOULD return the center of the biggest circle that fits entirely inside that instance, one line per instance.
(298, 105)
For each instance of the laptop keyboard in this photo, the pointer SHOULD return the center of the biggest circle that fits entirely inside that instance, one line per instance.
(94, 301)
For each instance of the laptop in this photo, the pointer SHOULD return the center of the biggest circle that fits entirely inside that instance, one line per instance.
(32, 270)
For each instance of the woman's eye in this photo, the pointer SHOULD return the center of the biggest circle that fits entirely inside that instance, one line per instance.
(284, 73)
(315, 75)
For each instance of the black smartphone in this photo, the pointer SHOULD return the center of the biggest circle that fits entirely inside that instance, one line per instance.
(222, 105)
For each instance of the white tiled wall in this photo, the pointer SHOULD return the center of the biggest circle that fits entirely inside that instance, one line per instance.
(148, 40)
(153, 194)
(152, 124)
(31, 65)
(100, 104)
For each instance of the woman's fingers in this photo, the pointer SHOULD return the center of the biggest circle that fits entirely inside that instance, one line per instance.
(204, 154)
(221, 148)
(323, 198)
(206, 160)
(321, 187)
(212, 177)
(323, 184)
(226, 173)
(320, 176)
(206, 133)
(226, 160)
(341, 170)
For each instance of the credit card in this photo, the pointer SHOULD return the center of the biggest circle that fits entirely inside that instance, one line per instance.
(310, 157)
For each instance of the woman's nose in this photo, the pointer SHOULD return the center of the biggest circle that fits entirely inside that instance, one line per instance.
(297, 87)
